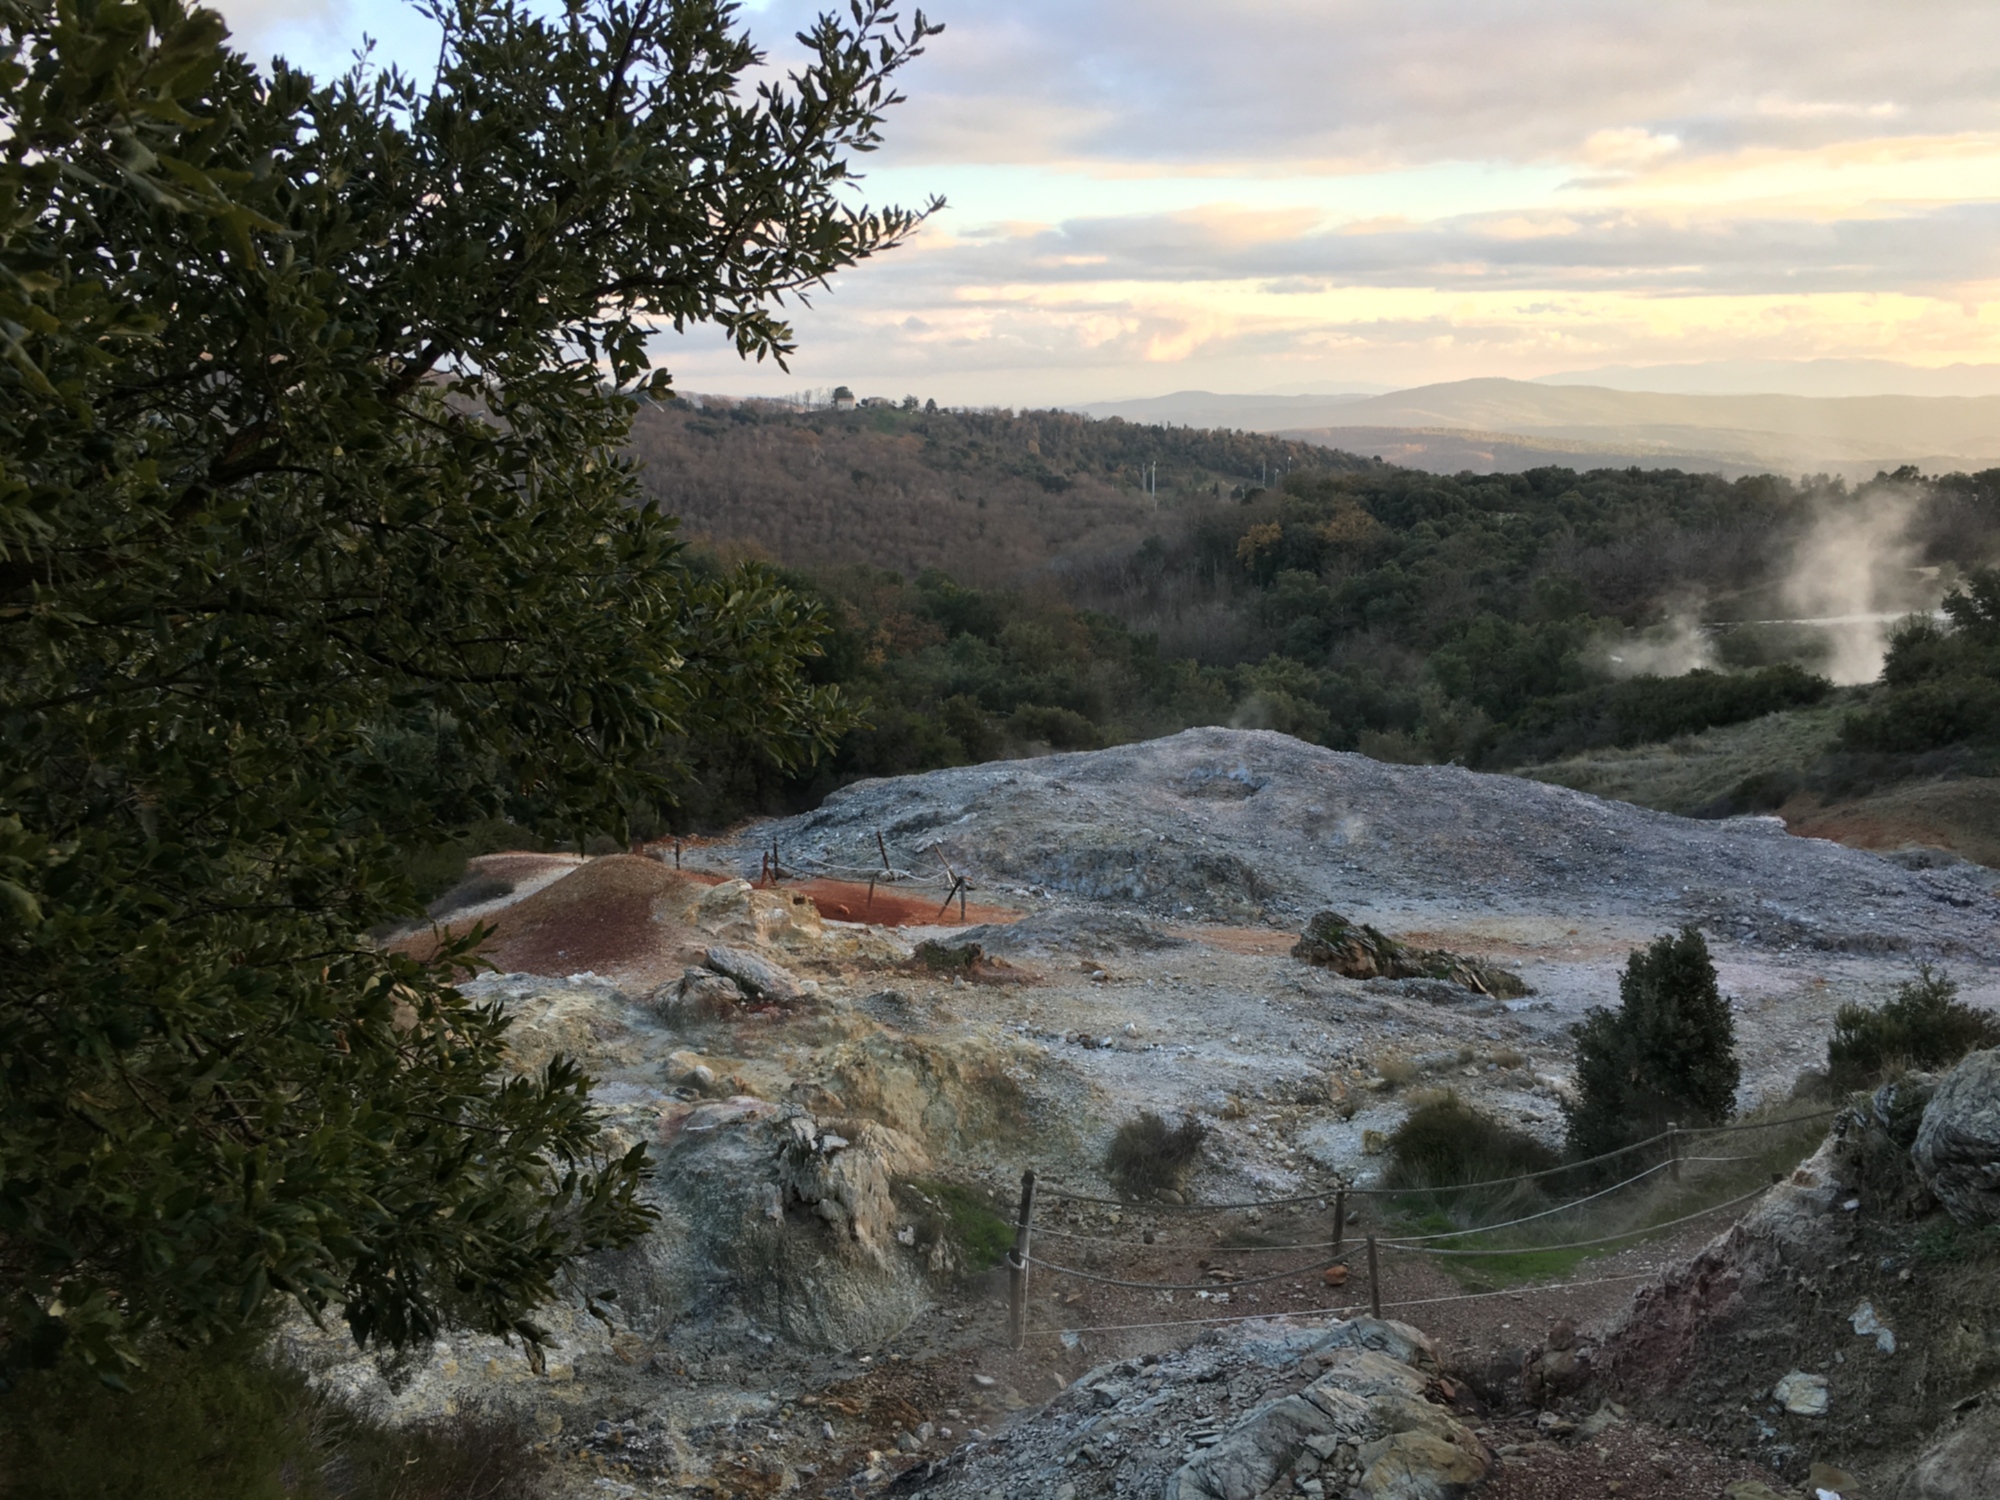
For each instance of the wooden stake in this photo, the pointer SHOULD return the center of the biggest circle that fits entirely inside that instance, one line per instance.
(1017, 1263)
(1374, 1279)
(883, 848)
(1339, 1219)
(677, 854)
(961, 902)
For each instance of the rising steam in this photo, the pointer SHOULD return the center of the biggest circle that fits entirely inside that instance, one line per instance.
(1854, 575)
(1668, 650)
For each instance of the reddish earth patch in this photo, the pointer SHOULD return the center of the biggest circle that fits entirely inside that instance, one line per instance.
(851, 901)
(1962, 815)
(599, 917)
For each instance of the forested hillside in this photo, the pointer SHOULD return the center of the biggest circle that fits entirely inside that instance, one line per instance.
(991, 497)
(994, 583)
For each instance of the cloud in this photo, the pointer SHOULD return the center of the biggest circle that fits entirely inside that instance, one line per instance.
(1184, 193)
(1627, 147)
(1335, 86)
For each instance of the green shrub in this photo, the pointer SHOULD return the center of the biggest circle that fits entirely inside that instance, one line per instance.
(1941, 681)
(1925, 1026)
(1667, 1054)
(1148, 1155)
(224, 1422)
(1447, 1142)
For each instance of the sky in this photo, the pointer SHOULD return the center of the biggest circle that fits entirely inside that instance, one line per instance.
(1147, 196)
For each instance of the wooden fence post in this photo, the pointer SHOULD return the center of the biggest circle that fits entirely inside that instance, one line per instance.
(1017, 1263)
(1339, 1218)
(677, 854)
(882, 848)
(1674, 1150)
(1374, 1279)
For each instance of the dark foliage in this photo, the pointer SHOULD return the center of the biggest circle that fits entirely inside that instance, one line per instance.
(1648, 710)
(1924, 1026)
(1148, 1155)
(315, 545)
(224, 1421)
(1666, 1055)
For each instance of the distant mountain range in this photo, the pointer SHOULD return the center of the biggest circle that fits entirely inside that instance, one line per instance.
(1789, 377)
(1496, 424)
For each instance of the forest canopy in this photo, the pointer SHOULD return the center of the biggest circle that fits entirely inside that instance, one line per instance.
(1031, 590)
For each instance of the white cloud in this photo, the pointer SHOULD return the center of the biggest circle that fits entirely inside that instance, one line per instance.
(1317, 85)
(1178, 193)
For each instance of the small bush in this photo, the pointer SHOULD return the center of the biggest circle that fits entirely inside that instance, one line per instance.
(946, 957)
(1667, 1054)
(1446, 1142)
(1925, 1026)
(1148, 1155)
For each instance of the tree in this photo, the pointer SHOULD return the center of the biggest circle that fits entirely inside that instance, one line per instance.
(1667, 1054)
(310, 415)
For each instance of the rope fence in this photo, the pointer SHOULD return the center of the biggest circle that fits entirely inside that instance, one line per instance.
(1021, 1258)
(1671, 1134)
(1609, 1239)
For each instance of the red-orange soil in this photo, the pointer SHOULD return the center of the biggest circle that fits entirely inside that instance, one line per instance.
(850, 901)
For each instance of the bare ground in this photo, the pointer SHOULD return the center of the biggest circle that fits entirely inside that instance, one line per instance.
(1159, 888)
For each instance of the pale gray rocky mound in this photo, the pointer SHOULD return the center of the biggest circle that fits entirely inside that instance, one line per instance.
(1957, 1151)
(1219, 824)
(1351, 1408)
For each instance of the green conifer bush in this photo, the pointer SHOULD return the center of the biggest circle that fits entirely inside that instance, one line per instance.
(1667, 1054)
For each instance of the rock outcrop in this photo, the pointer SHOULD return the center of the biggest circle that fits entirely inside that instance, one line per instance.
(1353, 1408)
(1962, 1462)
(1957, 1151)
(1357, 951)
